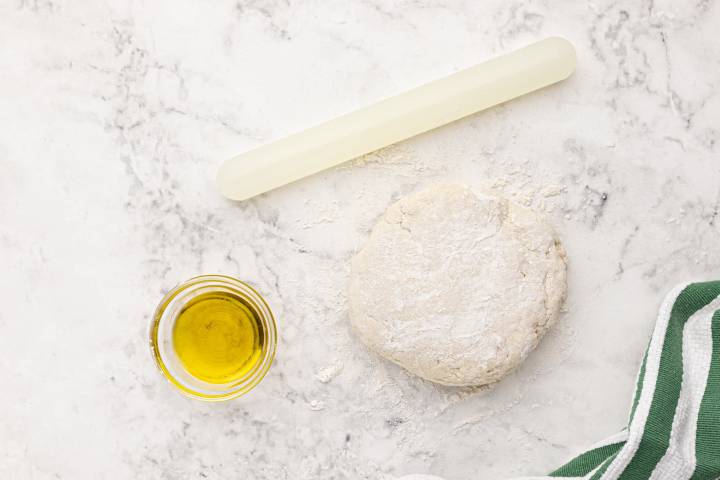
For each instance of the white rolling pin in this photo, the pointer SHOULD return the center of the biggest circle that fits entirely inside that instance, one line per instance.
(397, 118)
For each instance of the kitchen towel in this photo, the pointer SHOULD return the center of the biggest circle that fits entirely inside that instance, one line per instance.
(674, 427)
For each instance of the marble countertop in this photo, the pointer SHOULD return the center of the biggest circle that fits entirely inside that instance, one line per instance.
(114, 118)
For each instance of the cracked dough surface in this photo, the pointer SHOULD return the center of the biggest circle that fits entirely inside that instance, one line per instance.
(455, 287)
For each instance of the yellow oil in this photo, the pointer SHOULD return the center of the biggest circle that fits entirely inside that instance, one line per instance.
(218, 337)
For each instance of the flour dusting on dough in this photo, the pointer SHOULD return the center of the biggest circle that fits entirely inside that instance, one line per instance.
(456, 287)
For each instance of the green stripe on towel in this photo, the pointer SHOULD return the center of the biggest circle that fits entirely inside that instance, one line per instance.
(708, 424)
(588, 461)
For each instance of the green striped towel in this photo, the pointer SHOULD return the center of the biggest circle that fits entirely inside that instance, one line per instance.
(674, 427)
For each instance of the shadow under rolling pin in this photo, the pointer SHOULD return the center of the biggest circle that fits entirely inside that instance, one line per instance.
(397, 118)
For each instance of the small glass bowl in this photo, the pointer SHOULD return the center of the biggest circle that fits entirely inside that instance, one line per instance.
(161, 343)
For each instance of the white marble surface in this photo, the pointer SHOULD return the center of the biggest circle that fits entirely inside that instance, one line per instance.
(114, 118)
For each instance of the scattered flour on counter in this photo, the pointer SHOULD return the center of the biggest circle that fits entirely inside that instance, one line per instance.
(316, 405)
(328, 373)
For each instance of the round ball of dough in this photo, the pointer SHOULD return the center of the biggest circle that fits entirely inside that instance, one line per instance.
(456, 287)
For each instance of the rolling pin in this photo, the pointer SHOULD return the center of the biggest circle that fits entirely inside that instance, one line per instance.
(397, 118)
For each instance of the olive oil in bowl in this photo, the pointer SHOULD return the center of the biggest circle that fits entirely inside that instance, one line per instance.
(218, 337)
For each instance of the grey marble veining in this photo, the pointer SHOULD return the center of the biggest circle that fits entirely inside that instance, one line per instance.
(114, 118)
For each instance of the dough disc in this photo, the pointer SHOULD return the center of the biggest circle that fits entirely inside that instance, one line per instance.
(456, 287)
